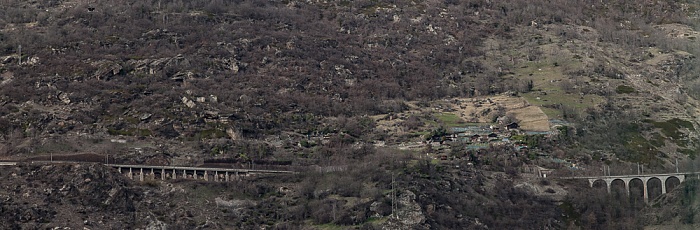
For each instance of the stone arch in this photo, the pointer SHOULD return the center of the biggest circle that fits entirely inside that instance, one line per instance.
(654, 188)
(636, 190)
(618, 188)
(672, 182)
(600, 184)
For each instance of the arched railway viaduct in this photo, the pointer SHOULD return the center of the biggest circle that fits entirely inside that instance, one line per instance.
(667, 180)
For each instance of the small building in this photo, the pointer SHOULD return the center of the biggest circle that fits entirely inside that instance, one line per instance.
(512, 126)
(474, 138)
(492, 137)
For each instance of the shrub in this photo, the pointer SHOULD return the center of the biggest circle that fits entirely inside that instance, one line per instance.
(623, 89)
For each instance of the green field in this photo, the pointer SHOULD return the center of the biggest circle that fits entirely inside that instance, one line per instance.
(450, 120)
(548, 94)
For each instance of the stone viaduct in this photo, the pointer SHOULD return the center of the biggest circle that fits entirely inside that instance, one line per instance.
(667, 180)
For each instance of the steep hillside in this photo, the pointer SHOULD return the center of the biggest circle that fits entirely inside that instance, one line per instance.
(206, 71)
(676, 210)
(214, 69)
(427, 91)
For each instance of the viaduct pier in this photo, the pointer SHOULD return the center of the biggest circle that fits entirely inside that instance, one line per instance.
(143, 172)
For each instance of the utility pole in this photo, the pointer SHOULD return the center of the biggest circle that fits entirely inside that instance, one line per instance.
(393, 196)
(676, 165)
(20, 54)
(605, 172)
(335, 204)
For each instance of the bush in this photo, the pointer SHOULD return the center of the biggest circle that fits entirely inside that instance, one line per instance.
(623, 89)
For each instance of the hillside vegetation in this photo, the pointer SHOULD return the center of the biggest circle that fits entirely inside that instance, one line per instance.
(457, 100)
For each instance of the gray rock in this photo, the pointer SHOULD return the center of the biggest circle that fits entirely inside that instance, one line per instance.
(409, 214)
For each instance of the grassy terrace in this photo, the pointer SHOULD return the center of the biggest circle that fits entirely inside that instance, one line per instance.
(547, 81)
(450, 120)
(550, 102)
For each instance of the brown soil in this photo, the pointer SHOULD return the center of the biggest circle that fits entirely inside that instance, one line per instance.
(531, 117)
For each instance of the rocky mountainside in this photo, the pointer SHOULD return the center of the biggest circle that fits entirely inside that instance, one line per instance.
(464, 103)
(208, 71)
(203, 72)
(41, 196)
(675, 211)
(91, 196)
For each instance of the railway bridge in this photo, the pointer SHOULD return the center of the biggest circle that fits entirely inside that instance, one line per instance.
(143, 172)
(153, 172)
(668, 181)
